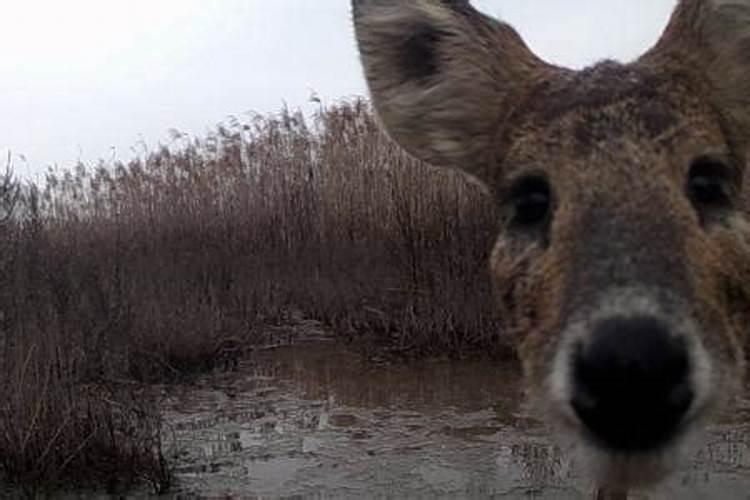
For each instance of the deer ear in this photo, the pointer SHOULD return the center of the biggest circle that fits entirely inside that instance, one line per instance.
(442, 77)
(713, 38)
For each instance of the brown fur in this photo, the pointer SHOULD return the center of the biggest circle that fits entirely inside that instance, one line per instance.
(445, 121)
(615, 142)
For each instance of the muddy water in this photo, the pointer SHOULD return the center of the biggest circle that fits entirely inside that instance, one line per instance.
(316, 421)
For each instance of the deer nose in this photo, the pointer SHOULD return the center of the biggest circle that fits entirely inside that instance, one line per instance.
(631, 387)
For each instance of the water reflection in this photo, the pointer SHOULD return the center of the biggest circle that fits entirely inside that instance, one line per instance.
(316, 421)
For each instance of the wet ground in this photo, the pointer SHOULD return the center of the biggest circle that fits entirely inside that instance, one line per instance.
(316, 421)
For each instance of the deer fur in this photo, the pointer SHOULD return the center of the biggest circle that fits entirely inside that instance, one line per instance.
(618, 149)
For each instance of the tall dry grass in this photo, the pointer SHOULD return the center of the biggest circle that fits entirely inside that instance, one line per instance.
(177, 261)
(181, 254)
(58, 427)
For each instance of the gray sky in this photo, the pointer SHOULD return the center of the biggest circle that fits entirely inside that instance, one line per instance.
(92, 79)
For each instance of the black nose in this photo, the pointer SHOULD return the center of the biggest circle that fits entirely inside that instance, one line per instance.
(631, 386)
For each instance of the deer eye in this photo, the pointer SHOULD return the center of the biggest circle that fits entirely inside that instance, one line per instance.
(710, 187)
(531, 202)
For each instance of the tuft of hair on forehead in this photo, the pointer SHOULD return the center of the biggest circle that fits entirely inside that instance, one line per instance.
(446, 79)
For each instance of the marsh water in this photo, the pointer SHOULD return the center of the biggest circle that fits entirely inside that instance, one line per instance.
(318, 421)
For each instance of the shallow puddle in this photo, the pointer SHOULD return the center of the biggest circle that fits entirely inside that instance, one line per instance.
(316, 421)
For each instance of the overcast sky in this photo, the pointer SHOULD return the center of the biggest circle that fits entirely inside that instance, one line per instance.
(88, 79)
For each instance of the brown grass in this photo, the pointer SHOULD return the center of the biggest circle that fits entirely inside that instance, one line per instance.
(55, 429)
(175, 262)
(181, 252)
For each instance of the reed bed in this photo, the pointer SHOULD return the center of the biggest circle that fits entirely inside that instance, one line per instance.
(177, 262)
(182, 253)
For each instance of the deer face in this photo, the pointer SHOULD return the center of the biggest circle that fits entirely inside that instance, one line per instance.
(623, 265)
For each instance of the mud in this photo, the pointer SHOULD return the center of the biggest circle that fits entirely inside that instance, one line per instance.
(316, 421)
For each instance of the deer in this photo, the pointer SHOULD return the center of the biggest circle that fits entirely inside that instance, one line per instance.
(621, 267)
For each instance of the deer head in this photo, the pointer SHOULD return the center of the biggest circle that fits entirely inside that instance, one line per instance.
(622, 268)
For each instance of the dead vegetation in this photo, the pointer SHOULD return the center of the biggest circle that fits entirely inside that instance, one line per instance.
(175, 263)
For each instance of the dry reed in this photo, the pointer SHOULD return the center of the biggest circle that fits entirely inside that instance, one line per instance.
(176, 261)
